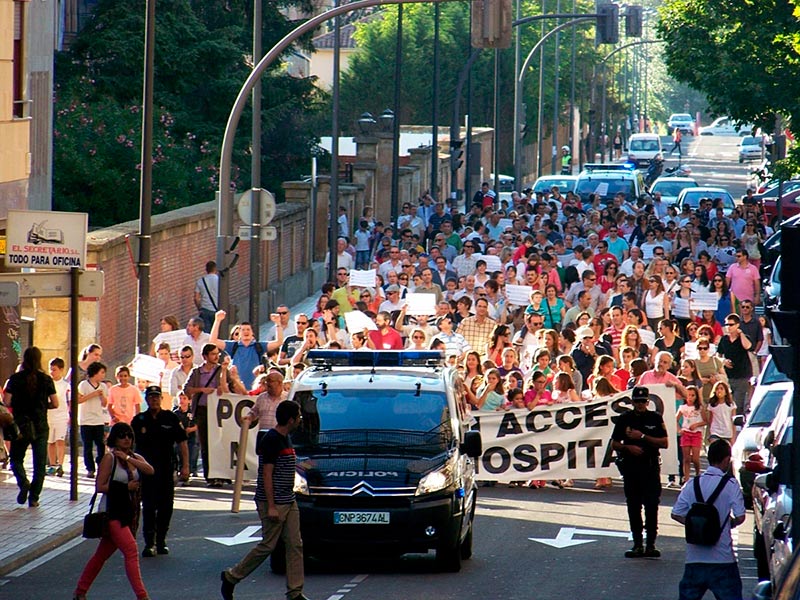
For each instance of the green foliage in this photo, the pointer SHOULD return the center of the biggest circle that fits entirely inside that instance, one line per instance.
(203, 55)
(368, 83)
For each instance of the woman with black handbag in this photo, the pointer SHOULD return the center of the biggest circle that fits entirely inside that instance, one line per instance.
(118, 481)
(29, 393)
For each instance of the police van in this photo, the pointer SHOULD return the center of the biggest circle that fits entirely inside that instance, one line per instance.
(385, 457)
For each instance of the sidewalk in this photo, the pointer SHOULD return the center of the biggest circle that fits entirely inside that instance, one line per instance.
(29, 533)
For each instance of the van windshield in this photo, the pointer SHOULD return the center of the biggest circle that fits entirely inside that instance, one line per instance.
(392, 422)
(606, 188)
(644, 146)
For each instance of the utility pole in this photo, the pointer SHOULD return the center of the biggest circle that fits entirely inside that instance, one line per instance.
(255, 180)
(146, 184)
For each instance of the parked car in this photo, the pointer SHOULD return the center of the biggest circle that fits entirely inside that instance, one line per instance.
(790, 205)
(682, 121)
(565, 183)
(726, 126)
(752, 148)
(692, 196)
(772, 504)
(787, 589)
(772, 247)
(670, 187)
(772, 287)
(751, 437)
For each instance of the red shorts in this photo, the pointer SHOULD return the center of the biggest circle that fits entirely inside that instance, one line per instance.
(691, 439)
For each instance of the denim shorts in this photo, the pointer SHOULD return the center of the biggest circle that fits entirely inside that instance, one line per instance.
(721, 578)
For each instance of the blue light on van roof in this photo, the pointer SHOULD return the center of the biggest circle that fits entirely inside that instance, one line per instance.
(626, 166)
(375, 358)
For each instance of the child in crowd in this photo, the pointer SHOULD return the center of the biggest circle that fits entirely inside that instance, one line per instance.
(515, 399)
(491, 396)
(537, 393)
(721, 411)
(564, 389)
(691, 420)
(58, 419)
(123, 398)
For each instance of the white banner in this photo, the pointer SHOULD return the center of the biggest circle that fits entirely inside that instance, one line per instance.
(355, 320)
(149, 368)
(224, 423)
(704, 301)
(362, 278)
(420, 304)
(564, 441)
(519, 295)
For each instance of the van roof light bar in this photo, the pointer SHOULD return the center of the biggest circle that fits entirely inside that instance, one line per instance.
(375, 358)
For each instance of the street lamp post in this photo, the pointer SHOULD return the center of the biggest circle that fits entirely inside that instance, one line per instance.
(398, 72)
(224, 197)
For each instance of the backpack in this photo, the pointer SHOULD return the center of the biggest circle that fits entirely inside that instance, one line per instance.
(702, 525)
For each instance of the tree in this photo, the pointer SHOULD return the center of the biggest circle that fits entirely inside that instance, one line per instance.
(368, 83)
(203, 56)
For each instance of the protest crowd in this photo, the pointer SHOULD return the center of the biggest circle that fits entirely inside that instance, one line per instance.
(540, 300)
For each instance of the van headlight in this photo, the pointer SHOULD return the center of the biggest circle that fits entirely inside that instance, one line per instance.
(437, 480)
(300, 484)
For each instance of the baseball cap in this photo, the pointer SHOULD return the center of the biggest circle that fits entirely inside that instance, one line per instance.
(584, 332)
(152, 390)
(640, 393)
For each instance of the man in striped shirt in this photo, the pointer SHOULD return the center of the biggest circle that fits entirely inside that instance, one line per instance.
(276, 506)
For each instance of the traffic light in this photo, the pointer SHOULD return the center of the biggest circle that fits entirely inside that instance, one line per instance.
(633, 21)
(456, 154)
(491, 23)
(607, 24)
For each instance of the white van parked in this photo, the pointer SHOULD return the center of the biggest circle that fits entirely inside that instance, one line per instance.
(644, 147)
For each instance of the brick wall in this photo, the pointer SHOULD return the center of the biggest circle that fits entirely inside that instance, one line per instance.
(182, 242)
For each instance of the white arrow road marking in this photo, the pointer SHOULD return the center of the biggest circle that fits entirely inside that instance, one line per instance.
(564, 537)
(243, 537)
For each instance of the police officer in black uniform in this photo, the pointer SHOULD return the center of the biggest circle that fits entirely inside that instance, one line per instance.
(639, 435)
(156, 433)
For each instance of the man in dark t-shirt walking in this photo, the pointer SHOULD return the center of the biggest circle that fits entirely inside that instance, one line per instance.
(276, 506)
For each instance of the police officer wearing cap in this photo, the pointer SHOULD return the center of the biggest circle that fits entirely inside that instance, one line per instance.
(638, 437)
(156, 433)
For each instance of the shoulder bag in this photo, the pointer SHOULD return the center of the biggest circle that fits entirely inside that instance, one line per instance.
(95, 524)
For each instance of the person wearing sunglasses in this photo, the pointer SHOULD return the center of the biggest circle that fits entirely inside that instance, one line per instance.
(639, 436)
(118, 480)
(734, 349)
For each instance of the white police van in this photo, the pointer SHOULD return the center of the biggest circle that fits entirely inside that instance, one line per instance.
(385, 457)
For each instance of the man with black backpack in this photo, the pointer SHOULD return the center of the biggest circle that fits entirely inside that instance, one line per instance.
(709, 506)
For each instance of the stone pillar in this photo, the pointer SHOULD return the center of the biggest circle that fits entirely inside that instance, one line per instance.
(383, 200)
(420, 159)
(365, 171)
(323, 217)
(300, 192)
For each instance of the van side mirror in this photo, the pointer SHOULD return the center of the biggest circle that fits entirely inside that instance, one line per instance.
(769, 439)
(738, 421)
(472, 445)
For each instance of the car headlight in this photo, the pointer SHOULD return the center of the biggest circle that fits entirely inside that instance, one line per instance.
(434, 481)
(300, 484)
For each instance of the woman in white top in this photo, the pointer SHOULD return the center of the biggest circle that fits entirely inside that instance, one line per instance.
(118, 481)
(656, 302)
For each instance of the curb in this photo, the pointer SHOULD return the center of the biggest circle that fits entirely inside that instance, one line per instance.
(31, 553)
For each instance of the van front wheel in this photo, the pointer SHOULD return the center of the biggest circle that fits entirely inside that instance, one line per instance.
(449, 558)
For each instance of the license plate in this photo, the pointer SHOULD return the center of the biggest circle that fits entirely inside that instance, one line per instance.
(360, 518)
